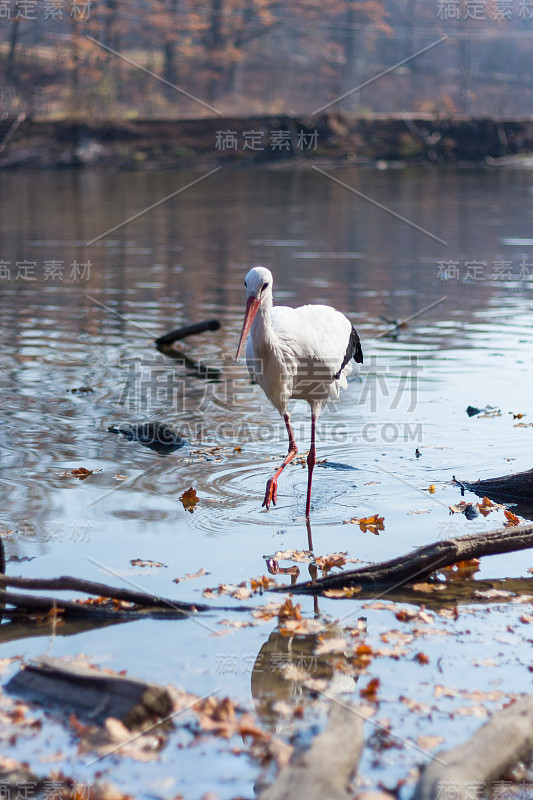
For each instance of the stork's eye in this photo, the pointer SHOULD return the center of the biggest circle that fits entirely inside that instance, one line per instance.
(264, 286)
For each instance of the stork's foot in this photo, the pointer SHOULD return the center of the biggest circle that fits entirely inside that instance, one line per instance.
(271, 494)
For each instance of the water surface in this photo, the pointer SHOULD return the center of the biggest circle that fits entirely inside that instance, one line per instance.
(85, 317)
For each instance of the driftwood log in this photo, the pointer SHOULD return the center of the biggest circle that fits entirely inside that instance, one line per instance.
(90, 693)
(515, 488)
(423, 561)
(143, 605)
(325, 769)
(506, 739)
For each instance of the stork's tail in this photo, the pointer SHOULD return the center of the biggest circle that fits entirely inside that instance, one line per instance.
(354, 350)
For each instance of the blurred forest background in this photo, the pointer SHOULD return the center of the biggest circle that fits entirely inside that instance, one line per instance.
(58, 58)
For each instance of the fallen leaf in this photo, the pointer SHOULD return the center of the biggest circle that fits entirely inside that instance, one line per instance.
(326, 563)
(190, 500)
(374, 524)
(468, 509)
(398, 636)
(268, 611)
(415, 706)
(428, 587)
(362, 656)
(492, 594)
(421, 658)
(461, 569)
(190, 575)
(486, 506)
(293, 627)
(239, 592)
(335, 645)
(262, 584)
(443, 691)
(139, 562)
(293, 555)
(511, 518)
(429, 742)
(80, 472)
(346, 591)
(237, 623)
(370, 691)
(472, 711)
(431, 488)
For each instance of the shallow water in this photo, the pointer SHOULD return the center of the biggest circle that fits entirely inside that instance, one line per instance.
(184, 261)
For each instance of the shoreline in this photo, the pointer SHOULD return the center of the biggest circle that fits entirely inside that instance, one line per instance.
(270, 141)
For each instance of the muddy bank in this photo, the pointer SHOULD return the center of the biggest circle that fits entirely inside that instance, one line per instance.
(265, 141)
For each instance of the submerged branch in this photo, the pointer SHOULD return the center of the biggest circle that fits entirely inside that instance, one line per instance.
(143, 604)
(187, 330)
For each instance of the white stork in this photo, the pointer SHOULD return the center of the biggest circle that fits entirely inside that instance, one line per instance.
(302, 353)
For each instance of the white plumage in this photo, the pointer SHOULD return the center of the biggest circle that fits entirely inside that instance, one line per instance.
(295, 353)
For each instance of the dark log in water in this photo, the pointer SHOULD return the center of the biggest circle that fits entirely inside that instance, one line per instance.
(91, 694)
(164, 345)
(187, 330)
(517, 487)
(68, 583)
(420, 563)
(142, 604)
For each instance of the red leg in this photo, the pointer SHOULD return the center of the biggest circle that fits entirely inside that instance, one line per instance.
(311, 460)
(271, 494)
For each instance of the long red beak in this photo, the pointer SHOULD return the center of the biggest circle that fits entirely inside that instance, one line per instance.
(252, 307)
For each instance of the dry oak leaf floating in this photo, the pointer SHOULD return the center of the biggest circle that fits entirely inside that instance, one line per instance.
(362, 656)
(486, 506)
(141, 562)
(268, 611)
(262, 584)
(421, 658)
(240, 592)
(190, 575)
(340, 594)
(461, 569)
(293, 555)
(80, 472)
(370, 691)
(511, 518)
(374, 524)
(326, 563)
(190, 500)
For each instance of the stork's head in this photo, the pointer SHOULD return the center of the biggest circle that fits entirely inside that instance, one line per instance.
(258, 284)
